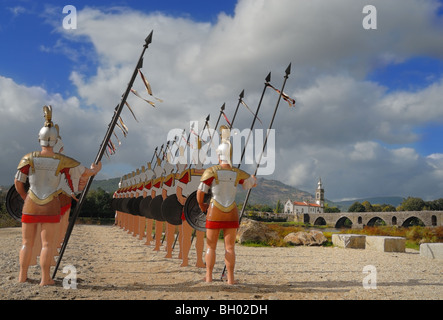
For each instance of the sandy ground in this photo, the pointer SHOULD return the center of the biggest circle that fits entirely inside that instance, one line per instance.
(112, 264)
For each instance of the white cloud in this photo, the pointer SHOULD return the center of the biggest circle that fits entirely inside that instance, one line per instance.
(343, 129)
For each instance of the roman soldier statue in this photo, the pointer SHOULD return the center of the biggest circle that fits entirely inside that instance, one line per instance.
(44, 169)
(187, 183)
(222, 212)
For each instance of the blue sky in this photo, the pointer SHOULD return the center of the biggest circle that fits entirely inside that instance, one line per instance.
(25, 31)
(369, 116)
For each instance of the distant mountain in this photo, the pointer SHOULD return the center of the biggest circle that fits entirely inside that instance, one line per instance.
(270, 191)
(395, 201)
(267, 191)
(109, 185)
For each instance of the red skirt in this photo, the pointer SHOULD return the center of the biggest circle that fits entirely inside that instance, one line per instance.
(29, 218)
(222, 224)
(65, 209)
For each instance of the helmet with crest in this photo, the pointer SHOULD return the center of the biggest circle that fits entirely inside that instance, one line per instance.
(48, 134)
(224, 150)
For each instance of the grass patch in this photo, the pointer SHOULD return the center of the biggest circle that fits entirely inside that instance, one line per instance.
(414, 236)
(6, 221)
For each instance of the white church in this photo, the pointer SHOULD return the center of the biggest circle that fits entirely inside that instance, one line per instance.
(297, 207)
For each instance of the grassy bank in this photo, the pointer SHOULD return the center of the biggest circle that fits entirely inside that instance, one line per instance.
(414, 235)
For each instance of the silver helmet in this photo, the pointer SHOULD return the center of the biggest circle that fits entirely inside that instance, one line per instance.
(48, 134)
(224, 150)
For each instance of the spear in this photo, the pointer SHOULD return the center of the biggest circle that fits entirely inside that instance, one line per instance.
(117, 112)
(268, 78)
(240, 98)
(222, 109)
(287, 72)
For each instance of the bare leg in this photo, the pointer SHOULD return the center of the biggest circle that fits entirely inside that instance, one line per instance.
(158, 234)
(229, 236)
(149, 225)
(186, 235)
(142, 226)
(28, 236)
(211, 242)
(199, 246)
(49, 231)
(37, 247)
(170, 232)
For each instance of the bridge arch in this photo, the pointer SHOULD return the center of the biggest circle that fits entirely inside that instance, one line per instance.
(394, 221)
(375, 221)
(413, 220)
(343, 222)
(320, 221)
(434, 220)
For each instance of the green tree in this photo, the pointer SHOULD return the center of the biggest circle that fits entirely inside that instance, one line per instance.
(278, 207)
(329, 209)
(412, 204)
(357, 207)
(368, 206)
(97, 205)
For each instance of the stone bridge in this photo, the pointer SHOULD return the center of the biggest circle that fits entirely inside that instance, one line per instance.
(361, 219)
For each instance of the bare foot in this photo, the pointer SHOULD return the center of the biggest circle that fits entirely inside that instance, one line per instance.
(47, 283)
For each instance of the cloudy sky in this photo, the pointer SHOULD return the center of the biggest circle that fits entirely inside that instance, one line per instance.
(369, 112)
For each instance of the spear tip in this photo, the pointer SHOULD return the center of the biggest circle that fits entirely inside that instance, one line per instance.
(268, 78)
(148, 39)
(207, 118)
(242, 94)
(223, 106)
(288, 69)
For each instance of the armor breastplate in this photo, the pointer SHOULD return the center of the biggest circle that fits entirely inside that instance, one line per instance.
(223, 192)
(43, 180)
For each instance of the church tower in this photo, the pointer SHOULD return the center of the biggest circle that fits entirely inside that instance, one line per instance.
(320, 194)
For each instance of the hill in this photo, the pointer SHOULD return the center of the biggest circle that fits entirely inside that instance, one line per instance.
(267, 191)
(395, 201)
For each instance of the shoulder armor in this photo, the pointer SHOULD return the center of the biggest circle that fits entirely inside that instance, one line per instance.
(65, 162)
(241, 175)
(182, 174)
(210, 173)
(27, 159)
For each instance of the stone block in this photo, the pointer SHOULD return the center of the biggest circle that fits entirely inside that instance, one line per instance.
(354, 241)
(432, 250)
(386, 244)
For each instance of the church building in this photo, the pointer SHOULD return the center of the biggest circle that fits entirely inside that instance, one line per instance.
(298, 207)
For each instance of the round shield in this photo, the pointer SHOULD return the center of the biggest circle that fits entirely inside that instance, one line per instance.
(156, 208)
(114, 203)
(135, 206)
(194, 216)
(14, 203)
(130, 205)
(119, 204)
(144, 207)
(172, 210)
(124, 205)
